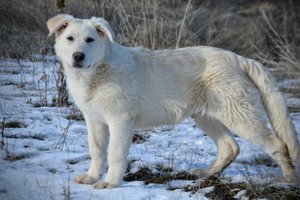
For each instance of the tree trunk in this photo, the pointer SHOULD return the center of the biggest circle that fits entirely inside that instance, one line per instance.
(61, 86)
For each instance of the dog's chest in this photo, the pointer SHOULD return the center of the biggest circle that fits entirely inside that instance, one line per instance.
(101, 101)
(84, 99)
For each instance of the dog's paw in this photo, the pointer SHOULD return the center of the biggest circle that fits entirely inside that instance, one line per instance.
(293, 179)
(85, 179)
(200, 173)
(104, 185)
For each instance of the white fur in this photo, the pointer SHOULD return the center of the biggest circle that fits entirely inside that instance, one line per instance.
(121, 88)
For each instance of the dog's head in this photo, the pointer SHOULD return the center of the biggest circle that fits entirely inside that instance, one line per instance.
(80, 43)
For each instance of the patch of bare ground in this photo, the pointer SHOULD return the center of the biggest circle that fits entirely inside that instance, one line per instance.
(229, 190)
(147, 176)
(266, 161)
(139, 138)
(222, 189)
(14, 124)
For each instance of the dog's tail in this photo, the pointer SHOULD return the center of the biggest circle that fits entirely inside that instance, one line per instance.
(275, 105)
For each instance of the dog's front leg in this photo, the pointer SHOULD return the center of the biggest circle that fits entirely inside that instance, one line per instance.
(97, 140)
(120, 140)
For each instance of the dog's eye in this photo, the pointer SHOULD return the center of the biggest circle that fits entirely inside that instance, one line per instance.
(70, 38)
(89, 39)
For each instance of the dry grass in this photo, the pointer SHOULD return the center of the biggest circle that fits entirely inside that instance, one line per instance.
(23, 31)
(268, 31)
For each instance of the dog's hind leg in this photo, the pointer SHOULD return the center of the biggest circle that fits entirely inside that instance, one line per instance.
(248, 123)
(228, 149)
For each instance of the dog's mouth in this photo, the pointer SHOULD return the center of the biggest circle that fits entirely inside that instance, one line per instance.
(78, 65)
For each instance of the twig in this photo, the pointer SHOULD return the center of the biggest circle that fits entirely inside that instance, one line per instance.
(2, 133)
(62, 140)
(67, 188)
(182, 23)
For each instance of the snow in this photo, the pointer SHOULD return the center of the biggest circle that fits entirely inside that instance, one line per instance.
(41, 159)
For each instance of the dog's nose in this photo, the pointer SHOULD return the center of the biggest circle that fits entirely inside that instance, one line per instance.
(78, 56)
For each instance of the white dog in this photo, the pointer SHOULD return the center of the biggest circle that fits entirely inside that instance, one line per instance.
(119, 88)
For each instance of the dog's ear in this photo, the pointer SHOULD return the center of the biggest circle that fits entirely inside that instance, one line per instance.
(103, 28)
(58, 24)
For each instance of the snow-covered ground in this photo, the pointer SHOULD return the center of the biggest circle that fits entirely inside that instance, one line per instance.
(42, 155)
